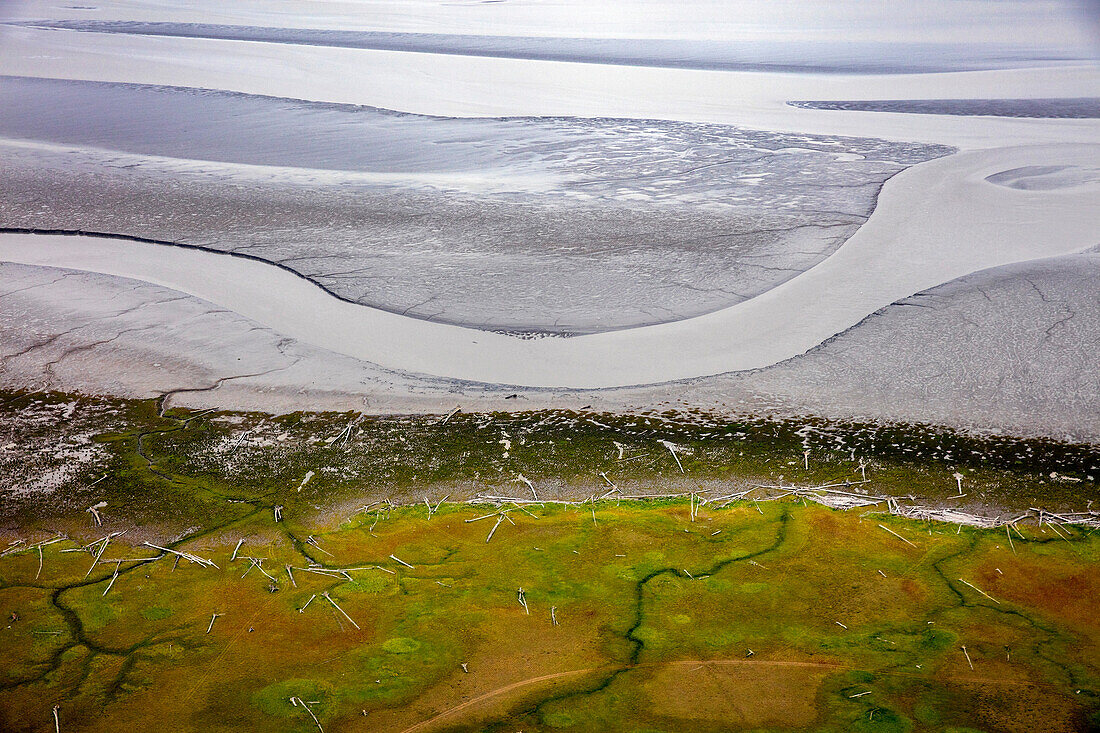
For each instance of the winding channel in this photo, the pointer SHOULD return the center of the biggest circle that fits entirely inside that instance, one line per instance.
(935, 222)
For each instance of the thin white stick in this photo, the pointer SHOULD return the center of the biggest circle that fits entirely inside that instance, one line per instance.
(968, 659)
(527, 512)
(260, 567)
(523, 479)
(327, 572)
(291, 576)
(303, 704)
(672, 450)
(212, 619)
(980, 591)
(494, 529)
(239, 543)
(113, 578)
(897, 535)
(56, 720)
(312, 541)
(1054, 527)
(329, 599)
(99, 554)
(307, 603)
(185, 555)
(16, 546)
(39, 563)
(397, 559)
(240, 440)
(94, 510)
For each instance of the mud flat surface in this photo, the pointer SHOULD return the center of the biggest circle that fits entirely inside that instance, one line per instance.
(540, 225)
(1006, 351)
(934, 223)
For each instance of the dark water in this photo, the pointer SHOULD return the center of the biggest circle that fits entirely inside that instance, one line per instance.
(1061, 108)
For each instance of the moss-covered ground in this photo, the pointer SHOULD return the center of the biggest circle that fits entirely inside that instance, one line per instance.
(177, 469)
(639, 617)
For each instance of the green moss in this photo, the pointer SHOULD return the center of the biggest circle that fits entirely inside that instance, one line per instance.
(156, 613)
(861, 676)
(882, 720)
(401, 645)
(409, 453)
(559, 720)
(937, 640)
(926, 713)
(98, 614)
(274, 699)
(373, 584)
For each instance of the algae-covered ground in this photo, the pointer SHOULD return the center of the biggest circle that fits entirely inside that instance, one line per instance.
(652, 615)
(176, 469)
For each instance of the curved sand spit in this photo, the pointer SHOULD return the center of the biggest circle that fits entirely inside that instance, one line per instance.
(934, 222)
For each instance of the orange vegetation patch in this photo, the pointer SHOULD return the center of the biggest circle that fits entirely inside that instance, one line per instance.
(736, 693)
(517, 660)
(1022, 709)
(1054, 586)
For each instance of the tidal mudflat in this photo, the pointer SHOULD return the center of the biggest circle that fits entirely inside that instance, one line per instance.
(625, 222)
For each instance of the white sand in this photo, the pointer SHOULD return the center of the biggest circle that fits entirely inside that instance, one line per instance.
(487, 87)
(935, 222)
(1050, 22)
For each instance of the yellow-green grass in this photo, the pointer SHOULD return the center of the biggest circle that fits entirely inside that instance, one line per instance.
(777, 617)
